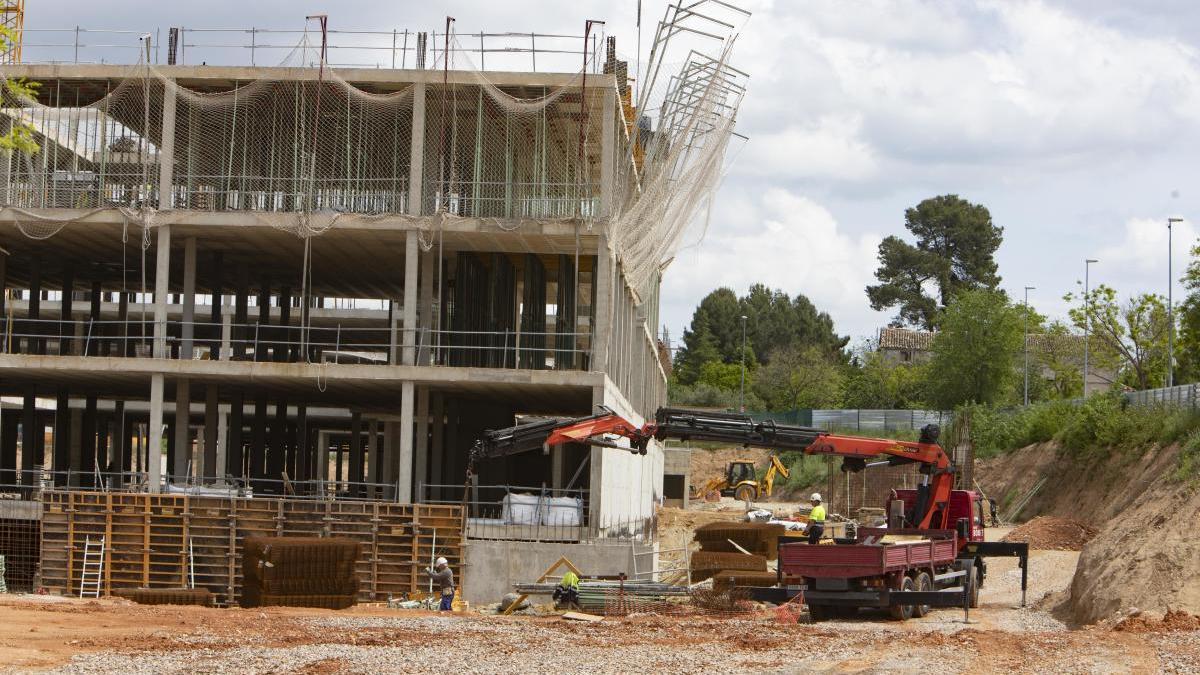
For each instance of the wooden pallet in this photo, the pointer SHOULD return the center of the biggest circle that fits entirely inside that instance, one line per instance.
(147, 539)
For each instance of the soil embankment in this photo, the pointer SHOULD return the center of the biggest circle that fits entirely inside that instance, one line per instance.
(1144, 554)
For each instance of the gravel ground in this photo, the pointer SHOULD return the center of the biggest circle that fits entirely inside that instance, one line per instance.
(118, 637)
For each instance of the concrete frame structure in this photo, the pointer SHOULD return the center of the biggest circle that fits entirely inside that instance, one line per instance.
(211, 353)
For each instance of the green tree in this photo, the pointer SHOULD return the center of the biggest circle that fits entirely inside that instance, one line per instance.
(715, 334)
(1059, 352)
(798, 376)
(1187, 347)
(975, 350)
(954, 251)
(773, 320)
(19, 136)
(874, 383)
(1133, 335)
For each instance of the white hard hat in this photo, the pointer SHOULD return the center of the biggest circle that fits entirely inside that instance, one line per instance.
(816, 497)
(442, 561)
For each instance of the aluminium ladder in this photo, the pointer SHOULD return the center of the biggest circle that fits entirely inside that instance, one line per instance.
(93, 568)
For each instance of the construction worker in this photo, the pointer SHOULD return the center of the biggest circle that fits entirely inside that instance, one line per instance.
(566, 596)
(816, 519)
(445, 579)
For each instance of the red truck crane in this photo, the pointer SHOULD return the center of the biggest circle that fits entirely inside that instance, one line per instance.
(940, 563)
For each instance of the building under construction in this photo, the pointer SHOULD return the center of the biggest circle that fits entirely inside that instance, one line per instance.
(303, 281)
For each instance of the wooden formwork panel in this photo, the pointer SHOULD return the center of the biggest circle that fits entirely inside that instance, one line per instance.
(167, 541)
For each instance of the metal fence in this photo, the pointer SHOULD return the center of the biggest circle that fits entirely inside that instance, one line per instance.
(289, 343)
(536, 514)
(1181, 395)
(396, 48)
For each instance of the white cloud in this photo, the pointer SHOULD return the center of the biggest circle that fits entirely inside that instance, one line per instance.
(1139, 259)
(786, 241)
(829, 147)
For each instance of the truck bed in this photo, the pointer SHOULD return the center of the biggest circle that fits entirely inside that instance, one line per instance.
(849, 561)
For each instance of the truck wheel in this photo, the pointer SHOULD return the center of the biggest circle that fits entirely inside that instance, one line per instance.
(903, 612)
(818, 613)
(745, 493)
(975, 583)
(924, 583)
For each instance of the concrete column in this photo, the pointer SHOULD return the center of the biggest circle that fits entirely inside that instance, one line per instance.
(166, 150)
(416, 157)
(8, 444)
(66, 327)
(120, 453)
(76, 442)
(62, 437)
(602, 308)
(392, 332)
(183, 446)
(212, 435)
(425, 318)
(222, 448)
(258, 442)
(35, 307)
(217, 275)
(87, 464)
(404, 477)
(95, 346)
(437, 416)
(154, 451)
(596, 472)
(557, 454)
(235, 459)
(372, 454)
(162, 273)
(123, 317)
(421, 463)
(241, 309)
(322, 468)
(226, 334)
(355, 474)
(30, 433)
(387, 467)
(608, 140)
(410, 297)
(188, 329)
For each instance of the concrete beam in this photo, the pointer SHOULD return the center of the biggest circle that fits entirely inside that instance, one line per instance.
(205, 75)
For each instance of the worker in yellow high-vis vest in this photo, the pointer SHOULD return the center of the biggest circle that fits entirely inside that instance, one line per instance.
(816, 519)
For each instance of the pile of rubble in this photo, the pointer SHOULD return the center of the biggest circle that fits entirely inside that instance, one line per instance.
(1048, 533)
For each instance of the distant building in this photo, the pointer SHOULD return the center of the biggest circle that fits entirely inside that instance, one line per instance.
(905, 345)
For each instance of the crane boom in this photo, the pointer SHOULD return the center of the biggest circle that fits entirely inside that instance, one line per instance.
(736, 429)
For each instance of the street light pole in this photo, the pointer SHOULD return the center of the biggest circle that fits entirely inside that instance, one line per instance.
(1027, 289)
(1170, 308)
(742, 395)
(1087, 318)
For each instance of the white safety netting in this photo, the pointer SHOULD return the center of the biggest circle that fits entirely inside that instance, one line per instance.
(306, 150)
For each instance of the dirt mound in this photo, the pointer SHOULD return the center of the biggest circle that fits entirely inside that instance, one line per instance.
(1146, 559)
(1173, 620)
(1048, 533)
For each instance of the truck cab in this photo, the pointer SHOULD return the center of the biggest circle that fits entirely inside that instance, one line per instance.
(966, 504)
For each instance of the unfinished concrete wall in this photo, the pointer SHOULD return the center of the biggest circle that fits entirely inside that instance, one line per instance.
(492, 567)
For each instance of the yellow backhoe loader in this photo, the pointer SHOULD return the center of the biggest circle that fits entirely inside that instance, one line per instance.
(739, 482)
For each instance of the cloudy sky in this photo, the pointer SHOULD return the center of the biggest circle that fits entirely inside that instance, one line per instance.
(1074, 121)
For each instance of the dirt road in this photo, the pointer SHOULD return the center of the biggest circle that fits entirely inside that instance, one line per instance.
(66, 635)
